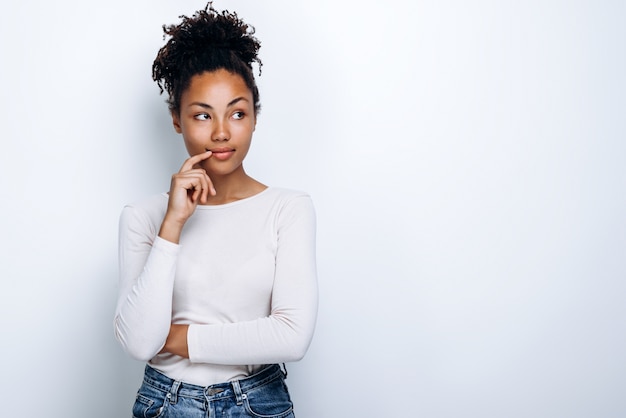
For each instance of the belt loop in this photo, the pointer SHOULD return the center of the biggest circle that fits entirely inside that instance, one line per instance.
(173, 393)
(284, 370)
(237, 389)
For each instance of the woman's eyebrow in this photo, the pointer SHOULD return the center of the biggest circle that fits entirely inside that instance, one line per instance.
(200, 104)
(208, 106)
(235, 101)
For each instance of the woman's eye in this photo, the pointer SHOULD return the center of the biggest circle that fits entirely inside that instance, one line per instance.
(238, 115)
(202, 116)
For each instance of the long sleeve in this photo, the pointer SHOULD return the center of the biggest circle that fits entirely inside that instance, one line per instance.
(285, 334)
(147, 266)
(243, 277)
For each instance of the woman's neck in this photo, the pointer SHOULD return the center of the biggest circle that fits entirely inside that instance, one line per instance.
(234, 187)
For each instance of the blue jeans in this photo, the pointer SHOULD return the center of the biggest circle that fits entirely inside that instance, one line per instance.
(261, 395)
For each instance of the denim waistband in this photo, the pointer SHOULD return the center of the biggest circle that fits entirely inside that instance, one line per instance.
(176, 388)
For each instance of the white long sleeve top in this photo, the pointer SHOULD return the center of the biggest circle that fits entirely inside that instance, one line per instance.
(243, 276)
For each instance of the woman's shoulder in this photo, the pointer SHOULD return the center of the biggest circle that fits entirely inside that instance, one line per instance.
(150, 202)
(152, 207)
(286, 193)
(291, 201)
(288, 197)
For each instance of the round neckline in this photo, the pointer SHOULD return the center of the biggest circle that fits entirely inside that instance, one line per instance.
(229, 204)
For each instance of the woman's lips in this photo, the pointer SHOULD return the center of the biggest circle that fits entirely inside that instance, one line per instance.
(222, 153)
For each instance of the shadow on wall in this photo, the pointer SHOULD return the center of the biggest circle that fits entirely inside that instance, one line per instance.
(101, 378)
(158, 150)
(155, 152)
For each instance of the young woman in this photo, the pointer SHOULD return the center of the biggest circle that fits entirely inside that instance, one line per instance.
(217, 277)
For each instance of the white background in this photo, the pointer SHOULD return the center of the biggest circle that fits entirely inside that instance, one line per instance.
(467, 160)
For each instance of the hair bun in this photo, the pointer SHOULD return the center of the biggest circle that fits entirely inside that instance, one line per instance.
(209, 30)
(206, 41)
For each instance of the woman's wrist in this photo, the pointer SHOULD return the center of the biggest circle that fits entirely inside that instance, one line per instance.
(176, 342)
(170, 230)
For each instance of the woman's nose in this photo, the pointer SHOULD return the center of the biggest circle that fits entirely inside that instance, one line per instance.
(220, 132)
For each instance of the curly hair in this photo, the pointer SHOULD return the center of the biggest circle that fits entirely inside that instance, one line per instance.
(206, 41)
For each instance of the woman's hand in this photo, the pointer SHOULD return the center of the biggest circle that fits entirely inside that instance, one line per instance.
(176, 342)
(189, 187)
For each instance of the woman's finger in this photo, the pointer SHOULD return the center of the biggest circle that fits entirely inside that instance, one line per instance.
(193, 160)
(197, 182)
(201, 175)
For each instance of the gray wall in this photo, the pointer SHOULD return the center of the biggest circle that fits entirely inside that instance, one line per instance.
(467, 161)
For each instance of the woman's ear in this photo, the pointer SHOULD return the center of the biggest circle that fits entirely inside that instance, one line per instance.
(176, 122)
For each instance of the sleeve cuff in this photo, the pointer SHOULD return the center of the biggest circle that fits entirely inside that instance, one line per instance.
(165, 246)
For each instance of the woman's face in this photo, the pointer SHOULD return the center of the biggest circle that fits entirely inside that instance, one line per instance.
(217, 114)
